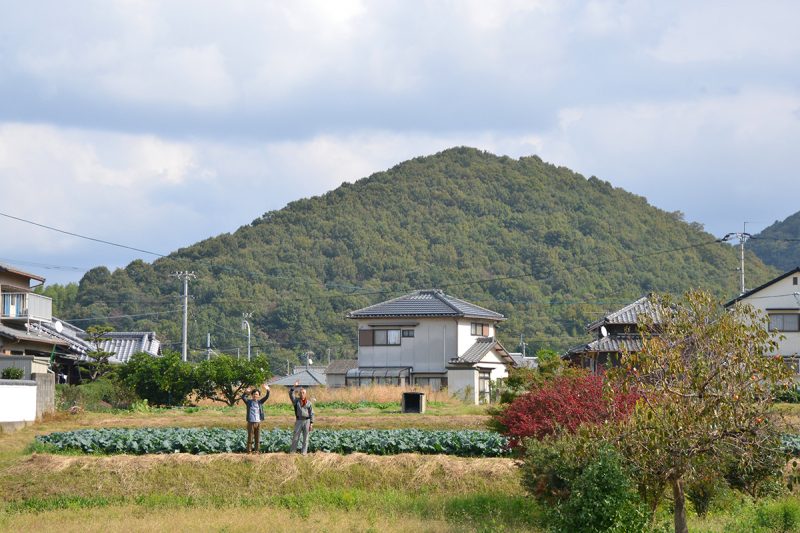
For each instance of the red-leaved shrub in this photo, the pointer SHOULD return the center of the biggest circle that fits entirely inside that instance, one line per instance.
(562, 404)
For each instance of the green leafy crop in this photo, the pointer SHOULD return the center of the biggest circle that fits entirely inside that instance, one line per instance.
(465, 443)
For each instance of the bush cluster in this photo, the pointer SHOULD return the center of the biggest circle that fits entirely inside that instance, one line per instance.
(12, 373)
(562, 404)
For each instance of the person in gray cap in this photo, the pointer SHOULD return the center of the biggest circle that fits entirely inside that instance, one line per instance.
(304, 418)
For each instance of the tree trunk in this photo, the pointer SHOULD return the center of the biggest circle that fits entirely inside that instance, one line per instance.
(680, 506)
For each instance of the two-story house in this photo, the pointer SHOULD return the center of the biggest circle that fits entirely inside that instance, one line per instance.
(428, 338)
(779, 299)
(33, 339)
(613, 334)
(20, 310)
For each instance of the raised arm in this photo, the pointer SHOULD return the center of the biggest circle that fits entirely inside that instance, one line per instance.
(266, 395)
(291, 391)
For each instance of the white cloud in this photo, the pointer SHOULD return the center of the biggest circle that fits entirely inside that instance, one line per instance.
(732, 32)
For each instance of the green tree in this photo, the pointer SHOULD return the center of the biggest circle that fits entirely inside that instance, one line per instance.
(97, 360)
(165, 380)
(225, 378)
(706, 387)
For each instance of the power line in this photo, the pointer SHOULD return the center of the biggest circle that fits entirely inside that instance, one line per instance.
(43, 265)
(114, 317)
(82, 236)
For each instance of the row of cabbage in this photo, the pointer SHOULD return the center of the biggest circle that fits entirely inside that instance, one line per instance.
(465, 443)
(791, 443)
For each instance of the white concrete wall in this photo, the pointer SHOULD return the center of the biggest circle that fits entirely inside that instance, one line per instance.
(780, 295)
(17, 401)
(458, 380)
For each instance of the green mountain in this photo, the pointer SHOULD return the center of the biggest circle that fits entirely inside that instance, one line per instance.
(541, 244)
(779, 244)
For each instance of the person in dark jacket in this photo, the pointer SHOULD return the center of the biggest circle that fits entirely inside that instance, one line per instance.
(304, 418)
(255, 415)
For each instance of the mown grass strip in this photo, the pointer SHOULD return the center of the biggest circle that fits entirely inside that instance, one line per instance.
(491, 512)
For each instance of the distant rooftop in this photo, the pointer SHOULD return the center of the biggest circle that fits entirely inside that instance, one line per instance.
(627, 315)
(425, 303)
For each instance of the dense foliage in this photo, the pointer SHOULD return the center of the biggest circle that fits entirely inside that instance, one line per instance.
(562, 247)
(582, 485)
(165, 380)
(562, 403)
(225, 379)
(779, 244)
(465, 443)
(12, 373)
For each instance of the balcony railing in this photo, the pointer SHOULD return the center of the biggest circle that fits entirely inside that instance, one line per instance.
(26, 306)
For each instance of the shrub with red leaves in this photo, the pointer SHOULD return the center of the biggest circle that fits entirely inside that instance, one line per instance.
(562, 404)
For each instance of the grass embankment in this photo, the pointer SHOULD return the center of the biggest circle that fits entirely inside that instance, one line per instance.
(453, 493)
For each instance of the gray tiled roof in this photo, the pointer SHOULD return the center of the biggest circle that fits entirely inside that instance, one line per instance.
(426, 303)
(29, 336)
(525, 362)
(476, 352)
(123, 344)
(341, 366)
(627, 315)
(307, 378)
(482, 346)
(609, 344)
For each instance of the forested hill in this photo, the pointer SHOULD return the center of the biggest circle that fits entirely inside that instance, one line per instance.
(541, 244)
(779, 244)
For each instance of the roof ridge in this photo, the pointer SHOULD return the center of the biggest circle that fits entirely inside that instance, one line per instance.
(441, 296)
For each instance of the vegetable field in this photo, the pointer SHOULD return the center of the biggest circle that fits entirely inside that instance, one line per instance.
(464, 443)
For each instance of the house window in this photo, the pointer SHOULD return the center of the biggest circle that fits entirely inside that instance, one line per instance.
(784, 322)
(479, 328)
(408, 333)
(794, 280)
(387, 337)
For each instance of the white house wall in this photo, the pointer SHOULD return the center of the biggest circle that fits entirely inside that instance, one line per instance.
(498, 366)
(779, 295)
(465, 337)
(433, 344)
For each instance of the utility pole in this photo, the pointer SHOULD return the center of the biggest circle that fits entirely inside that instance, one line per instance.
(522, 343)
(208, 347)
(185, 276)
(246, 324)
(742, 236)
(329, 356)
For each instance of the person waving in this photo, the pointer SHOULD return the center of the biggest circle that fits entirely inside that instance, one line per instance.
(304, 417)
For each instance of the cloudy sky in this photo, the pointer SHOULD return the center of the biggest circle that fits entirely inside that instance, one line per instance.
(157, 124)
